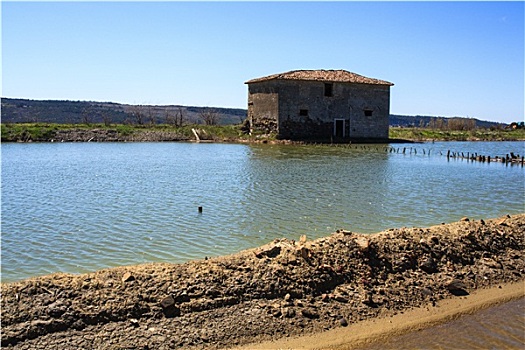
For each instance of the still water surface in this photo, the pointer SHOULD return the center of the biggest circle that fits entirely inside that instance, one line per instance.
(498, 327)
(79, 207)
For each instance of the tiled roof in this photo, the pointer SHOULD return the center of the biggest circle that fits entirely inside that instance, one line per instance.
(339, 76)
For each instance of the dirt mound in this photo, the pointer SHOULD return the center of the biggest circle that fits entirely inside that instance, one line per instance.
(283, 288)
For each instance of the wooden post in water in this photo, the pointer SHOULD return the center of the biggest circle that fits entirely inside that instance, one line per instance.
(448, 154)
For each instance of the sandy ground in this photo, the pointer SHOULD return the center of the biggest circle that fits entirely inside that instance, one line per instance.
(380, 330)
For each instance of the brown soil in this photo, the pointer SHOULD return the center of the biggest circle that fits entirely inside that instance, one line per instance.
(112, 135)
(103, 135)
(285, 288)
(377, 333)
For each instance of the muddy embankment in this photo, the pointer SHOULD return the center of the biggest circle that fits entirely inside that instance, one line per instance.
(137, 135)
(109, 135)
(285, 288)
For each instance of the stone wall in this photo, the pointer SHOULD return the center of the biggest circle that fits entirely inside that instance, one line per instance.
(263, 108)
(306, 110)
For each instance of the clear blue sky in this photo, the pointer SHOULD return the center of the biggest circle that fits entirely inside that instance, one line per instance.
(445, 58)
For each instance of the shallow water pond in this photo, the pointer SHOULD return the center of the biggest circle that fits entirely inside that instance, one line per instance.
(78, 207)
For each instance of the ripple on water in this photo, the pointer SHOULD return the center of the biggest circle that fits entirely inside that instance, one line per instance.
(102, 205)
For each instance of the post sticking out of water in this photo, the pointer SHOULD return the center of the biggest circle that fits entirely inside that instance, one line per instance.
(200, 209)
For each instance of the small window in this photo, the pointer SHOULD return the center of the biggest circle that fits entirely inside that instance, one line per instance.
(328, 89)
(303, 112)
(368, 112)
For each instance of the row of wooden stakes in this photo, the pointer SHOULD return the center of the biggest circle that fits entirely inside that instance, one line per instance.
(511, 158)
(508, 159)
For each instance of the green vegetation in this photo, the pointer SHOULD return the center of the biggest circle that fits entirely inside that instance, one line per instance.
(29, 132)
(459, 129)
(45, 132)
(477, 134)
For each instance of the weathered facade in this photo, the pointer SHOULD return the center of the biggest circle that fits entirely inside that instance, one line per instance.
(331, 105)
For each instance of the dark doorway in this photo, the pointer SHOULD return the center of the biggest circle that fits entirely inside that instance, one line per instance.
(339, 127)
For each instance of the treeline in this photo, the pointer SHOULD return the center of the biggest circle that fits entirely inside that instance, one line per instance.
(442, 123)
(88, 112)
(459, 124)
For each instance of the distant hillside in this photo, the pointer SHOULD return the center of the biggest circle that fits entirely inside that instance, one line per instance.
(426, 121)
(73, 112)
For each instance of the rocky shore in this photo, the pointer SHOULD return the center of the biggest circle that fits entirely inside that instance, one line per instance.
(137, 135)
(285, 288)
(112, 135)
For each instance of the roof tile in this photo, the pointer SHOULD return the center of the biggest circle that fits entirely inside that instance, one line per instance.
(340, 76)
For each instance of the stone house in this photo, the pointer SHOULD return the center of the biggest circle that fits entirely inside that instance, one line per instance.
(321, 105)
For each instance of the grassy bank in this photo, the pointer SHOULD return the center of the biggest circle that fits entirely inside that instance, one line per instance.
(425, 134)
(47, 132)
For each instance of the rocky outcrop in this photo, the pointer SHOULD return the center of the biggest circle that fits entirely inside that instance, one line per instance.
(283, 288)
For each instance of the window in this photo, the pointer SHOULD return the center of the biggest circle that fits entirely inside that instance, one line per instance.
(328, 89)
(303, 112)
(368, 112)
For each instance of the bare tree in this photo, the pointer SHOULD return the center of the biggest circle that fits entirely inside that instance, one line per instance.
(169, 118)
(177, 119)
(151, 116)
(106, 117)
(138, 114)
(432, 123)
(181, 117)
(462, 124)
(209, 116)
(439, 124)
(87, 117)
